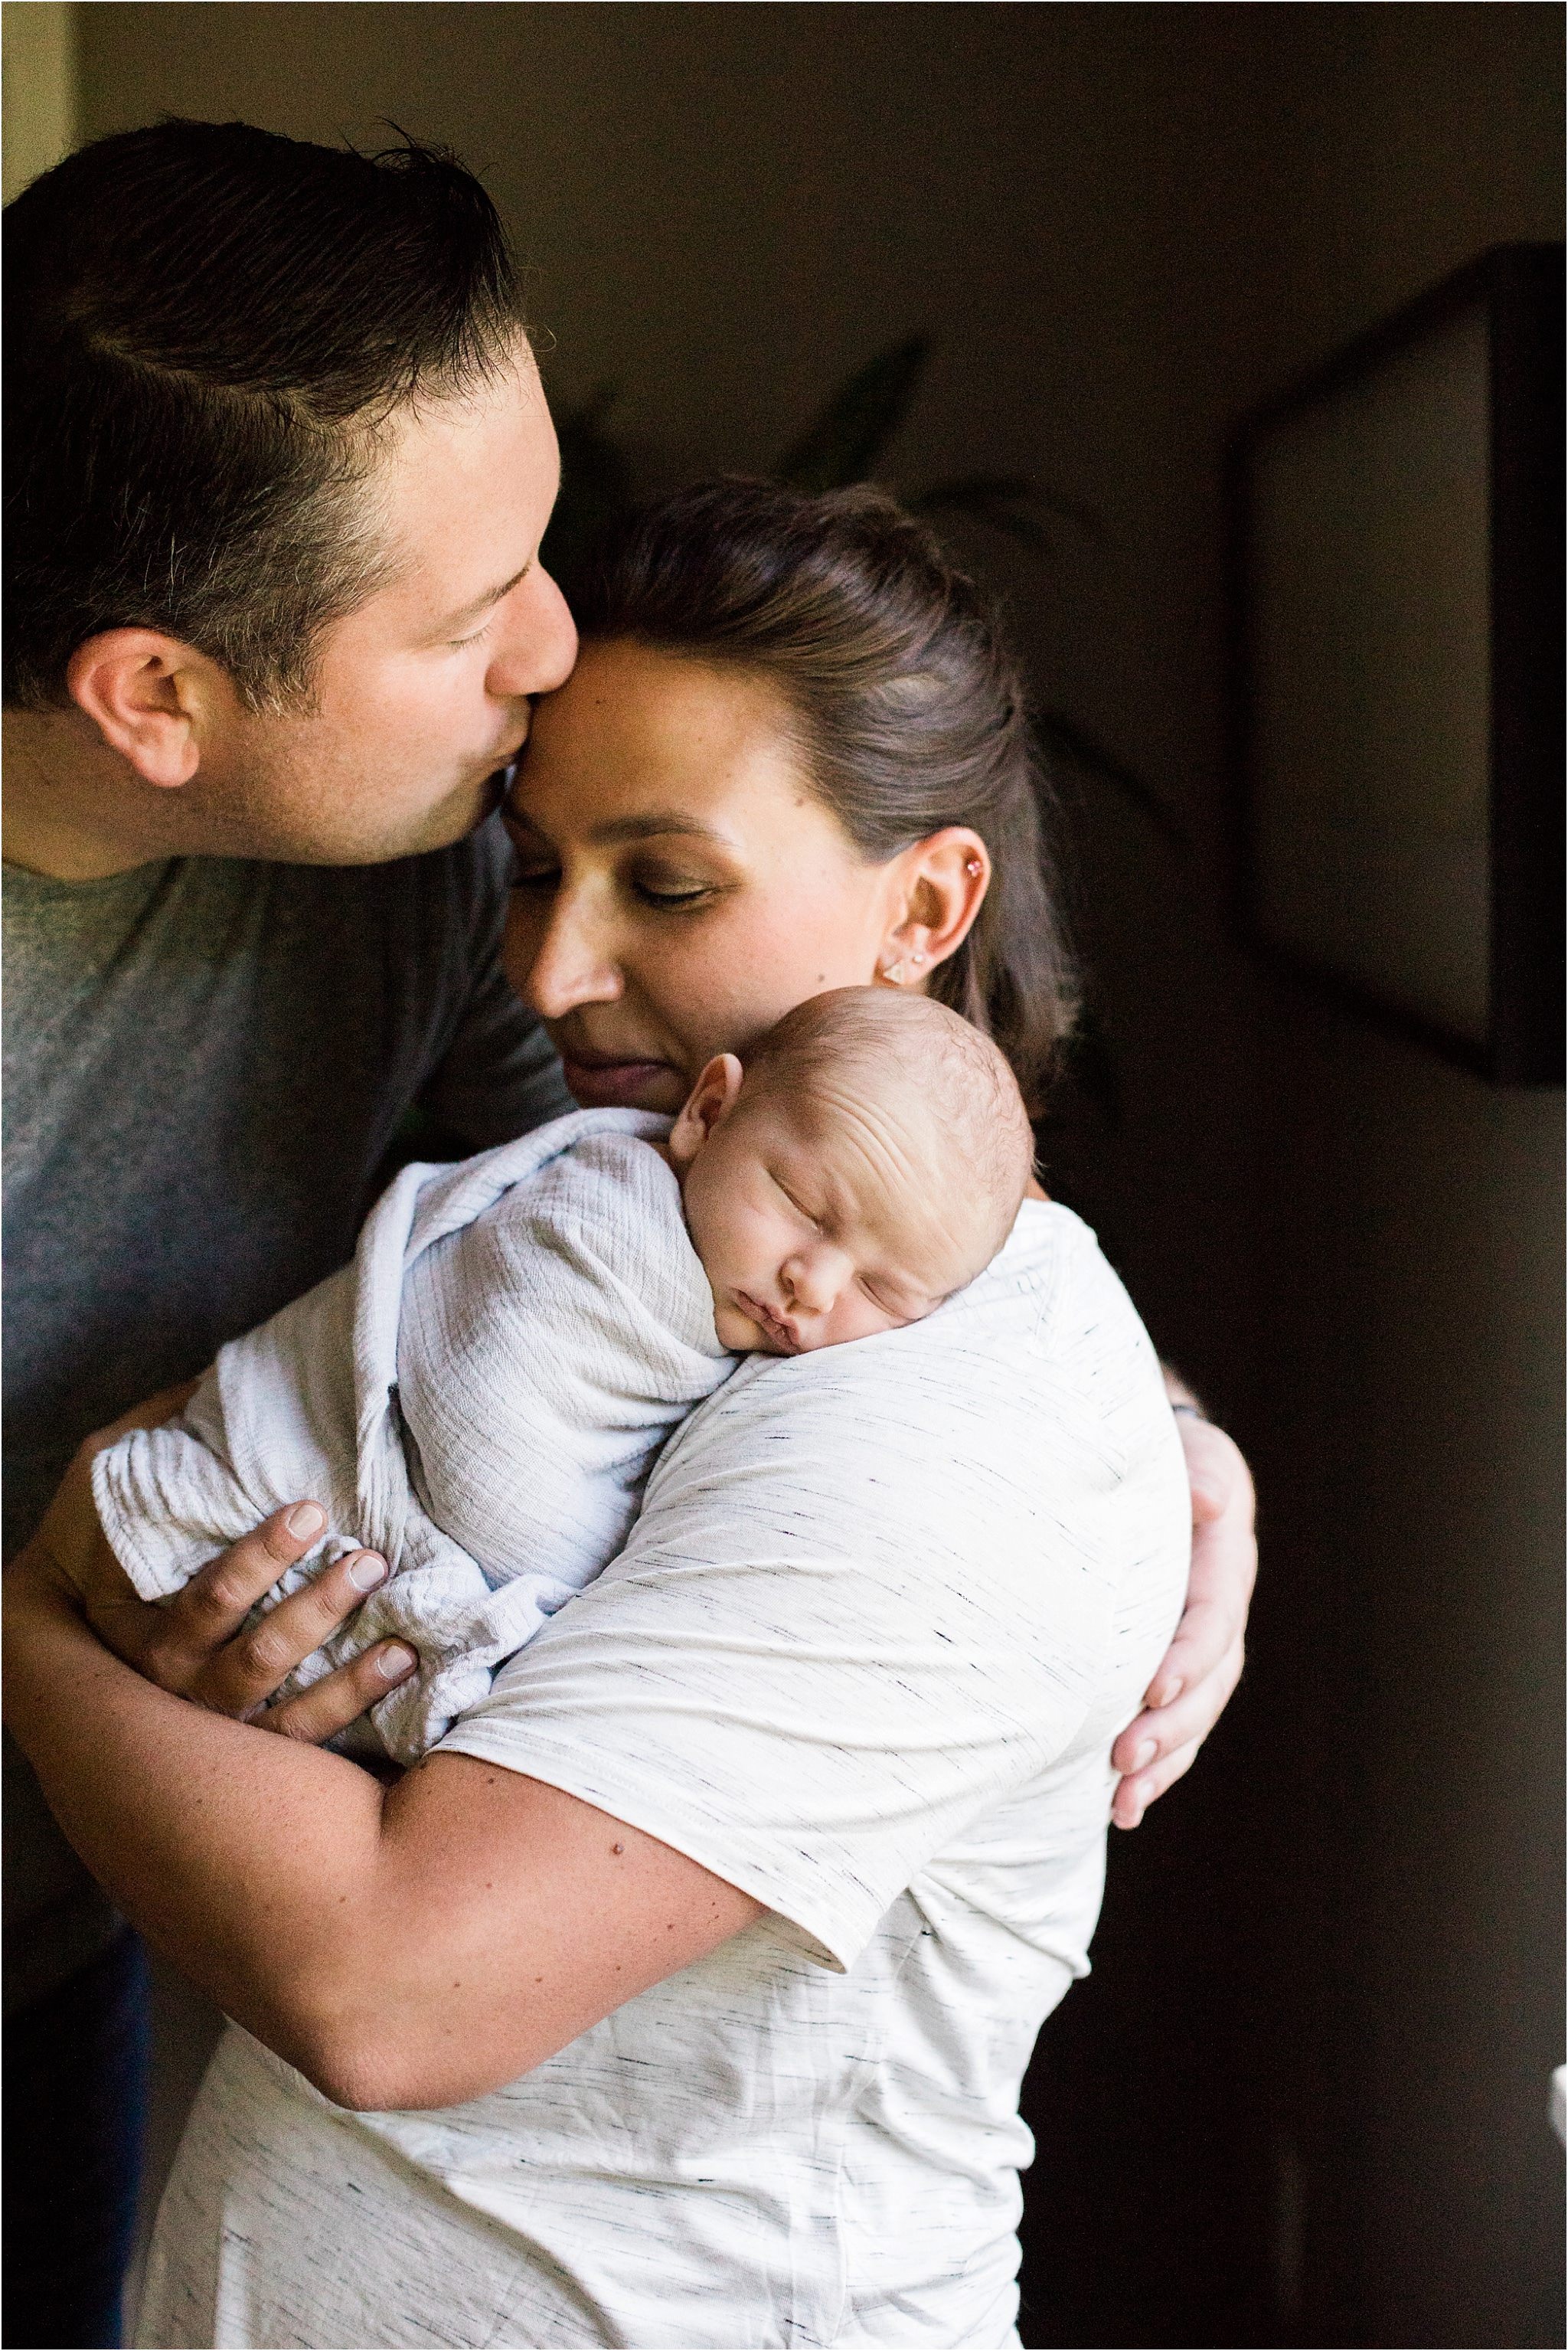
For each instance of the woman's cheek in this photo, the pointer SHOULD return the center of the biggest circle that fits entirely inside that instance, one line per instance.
(760, 966)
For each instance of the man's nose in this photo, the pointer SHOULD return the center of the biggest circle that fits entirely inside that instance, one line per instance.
(536, 646)
(815, 1277)
(571, 967)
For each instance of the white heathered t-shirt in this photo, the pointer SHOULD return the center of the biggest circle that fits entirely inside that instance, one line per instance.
(864, 1656)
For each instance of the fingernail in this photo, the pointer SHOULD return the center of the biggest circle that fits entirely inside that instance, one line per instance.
(395, 1660)
(305, 1519)
(367, 1572)
(1167, 1694)
(1145, 1754)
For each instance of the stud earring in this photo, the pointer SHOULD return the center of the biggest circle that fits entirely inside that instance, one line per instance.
(918, 960)
(973, 865)
(893, 972)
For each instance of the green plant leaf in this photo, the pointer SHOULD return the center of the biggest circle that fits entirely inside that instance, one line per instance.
(844, 444)
(1009, 503)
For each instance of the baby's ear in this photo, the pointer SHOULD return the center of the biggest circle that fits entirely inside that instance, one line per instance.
(706, 1106)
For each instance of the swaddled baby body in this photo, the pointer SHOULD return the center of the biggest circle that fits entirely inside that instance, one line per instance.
(480, 1394)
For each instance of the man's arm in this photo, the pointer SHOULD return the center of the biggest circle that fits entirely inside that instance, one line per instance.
(406, 1947)
(1200, 1671)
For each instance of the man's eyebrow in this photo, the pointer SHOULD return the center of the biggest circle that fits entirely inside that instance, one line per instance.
(658, 821)
(471, 611)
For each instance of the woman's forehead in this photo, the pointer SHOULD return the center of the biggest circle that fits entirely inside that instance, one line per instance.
(635, 731)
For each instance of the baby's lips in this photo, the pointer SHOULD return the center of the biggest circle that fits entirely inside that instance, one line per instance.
(775, 1327)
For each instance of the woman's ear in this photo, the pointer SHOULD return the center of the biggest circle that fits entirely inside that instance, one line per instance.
(942, 884)
(706, 1106)
(143, 691)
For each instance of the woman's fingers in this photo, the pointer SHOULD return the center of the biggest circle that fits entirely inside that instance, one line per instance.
(200, 1621)
(242, 1675)
(329, 1705)
(204, 1649)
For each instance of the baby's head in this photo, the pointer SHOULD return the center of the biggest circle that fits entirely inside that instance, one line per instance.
(867, 1162)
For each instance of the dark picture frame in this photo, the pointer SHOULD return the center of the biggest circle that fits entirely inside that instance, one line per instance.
(1397, 602)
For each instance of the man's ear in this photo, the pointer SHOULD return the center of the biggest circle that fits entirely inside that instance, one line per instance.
(706, 1106)
(941, 887)
(146, 693)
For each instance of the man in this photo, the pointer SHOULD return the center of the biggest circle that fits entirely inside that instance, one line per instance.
(279, 467)
(273, 610)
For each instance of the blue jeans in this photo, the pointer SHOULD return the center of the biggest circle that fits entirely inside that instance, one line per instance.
(75, 2080)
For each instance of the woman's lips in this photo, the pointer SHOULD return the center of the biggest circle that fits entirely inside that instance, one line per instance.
(600, 1084)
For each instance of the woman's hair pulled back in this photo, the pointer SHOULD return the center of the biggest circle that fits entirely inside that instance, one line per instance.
(908, 709)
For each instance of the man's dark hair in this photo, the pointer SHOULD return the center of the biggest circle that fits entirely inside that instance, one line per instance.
(204, 325)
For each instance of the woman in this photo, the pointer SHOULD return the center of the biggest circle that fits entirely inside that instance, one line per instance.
(719, 1936)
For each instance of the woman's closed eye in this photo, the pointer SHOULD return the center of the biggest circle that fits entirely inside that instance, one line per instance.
(658, 887)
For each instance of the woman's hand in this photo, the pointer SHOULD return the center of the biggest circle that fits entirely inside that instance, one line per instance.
(1203, 1665)
(197, 1645)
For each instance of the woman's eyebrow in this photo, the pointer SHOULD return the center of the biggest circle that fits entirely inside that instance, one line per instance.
(649, 827)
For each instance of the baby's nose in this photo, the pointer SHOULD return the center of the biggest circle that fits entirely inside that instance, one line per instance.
(815, 1278)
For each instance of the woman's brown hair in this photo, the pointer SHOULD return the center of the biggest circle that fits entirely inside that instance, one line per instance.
(909, 707)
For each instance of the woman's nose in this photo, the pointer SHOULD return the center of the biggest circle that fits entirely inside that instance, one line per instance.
(570, 967)
(536, 645)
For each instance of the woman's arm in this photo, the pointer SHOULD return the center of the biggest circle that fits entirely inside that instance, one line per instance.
(1203, 1665)
(411, 1946)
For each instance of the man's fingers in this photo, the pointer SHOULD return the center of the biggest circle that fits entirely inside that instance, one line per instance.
(1159, 1730)
(1134, 1796)
(1218, 1473)
(1207, 1634)
(1198, 1672)
(1147, 1751)
(329, 1705)
(220, 1596)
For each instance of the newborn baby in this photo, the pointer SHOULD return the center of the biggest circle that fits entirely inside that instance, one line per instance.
(480, 1395)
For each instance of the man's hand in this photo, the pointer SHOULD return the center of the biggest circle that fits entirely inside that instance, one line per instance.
(1203, 1665)
(197, 1645)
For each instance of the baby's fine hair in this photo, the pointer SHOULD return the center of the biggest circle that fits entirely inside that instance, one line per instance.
(961, 1076)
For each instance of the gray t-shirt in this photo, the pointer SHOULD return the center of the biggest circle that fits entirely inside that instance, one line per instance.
(205, 1063)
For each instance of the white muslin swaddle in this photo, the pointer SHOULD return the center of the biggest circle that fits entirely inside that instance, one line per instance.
(479, 1397)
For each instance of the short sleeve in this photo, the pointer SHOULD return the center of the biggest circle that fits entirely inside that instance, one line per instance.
(871, 1592)
(499, 1075)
